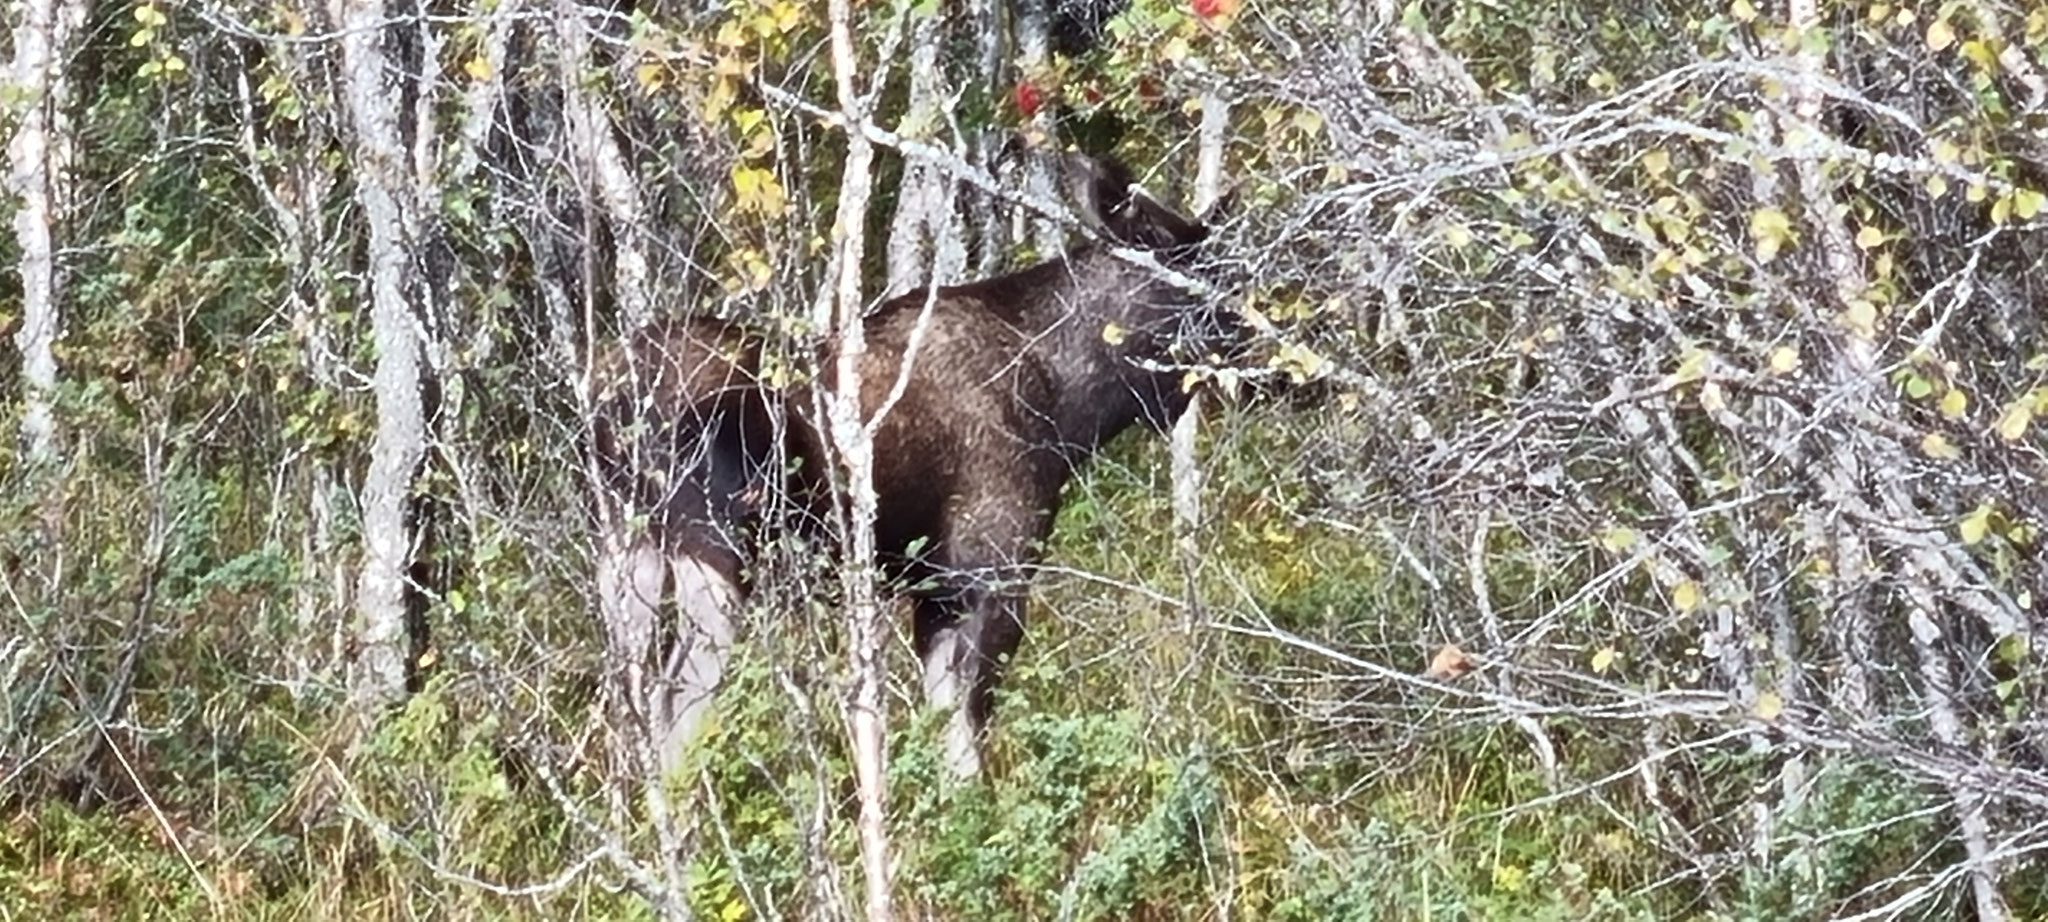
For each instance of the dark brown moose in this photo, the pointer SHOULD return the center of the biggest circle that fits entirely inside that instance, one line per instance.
(1012, 384)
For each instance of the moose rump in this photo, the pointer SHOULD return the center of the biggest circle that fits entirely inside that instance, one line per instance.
(995, 393)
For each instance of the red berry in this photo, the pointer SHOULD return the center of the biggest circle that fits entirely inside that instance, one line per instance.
(1207, 9)
(1029, 99)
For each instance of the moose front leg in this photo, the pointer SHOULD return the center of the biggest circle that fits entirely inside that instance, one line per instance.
(661, 690)
(630, 577)
(963, 641)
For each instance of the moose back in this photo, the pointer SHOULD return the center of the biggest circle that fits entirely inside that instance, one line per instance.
(1007, 386)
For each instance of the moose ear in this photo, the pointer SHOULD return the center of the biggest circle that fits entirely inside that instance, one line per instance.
(1108, 198)
(1155, 225)
(1099, 189)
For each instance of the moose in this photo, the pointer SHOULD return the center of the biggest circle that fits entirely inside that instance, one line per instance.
(1008, 385)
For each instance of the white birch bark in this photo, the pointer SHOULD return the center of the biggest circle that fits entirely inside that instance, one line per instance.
(991, 239)
(1182, 443)
(1033, 31)
(385, 191)
(925, 220)
(854, 440)
(602, 165)
(38, 174)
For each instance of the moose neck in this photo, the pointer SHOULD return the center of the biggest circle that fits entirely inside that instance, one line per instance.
(1094, 321)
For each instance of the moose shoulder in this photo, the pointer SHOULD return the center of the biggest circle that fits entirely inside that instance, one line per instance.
(1001, 389)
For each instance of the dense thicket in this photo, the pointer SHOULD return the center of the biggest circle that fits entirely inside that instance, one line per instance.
(1631, 507)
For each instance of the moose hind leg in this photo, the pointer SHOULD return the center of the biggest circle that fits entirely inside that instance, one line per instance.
(707, 597)
(941, 644)
(963, 656)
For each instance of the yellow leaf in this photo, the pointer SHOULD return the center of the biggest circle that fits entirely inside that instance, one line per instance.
(1980, 53)
(1940, 35)
(1976, 193)
(478, 68)
(1685, 596)
(1618, 539)
(1301, 363)
(2013, 423)
(1742, 11)
(1603, 660)
(1769, 706)
(1869, 237)
(1784, 360)
(1692, 366)
(2001, 210)
(1955, 403)
(1861, 318)
(1936, 187)
(1945, 150)
(1308, 122)
(1112, 334)
(648, 75)
(1657, 162)
(2026, 203)
(1456, 235)
(1936, 445)
(1976, 525)
(1771, 230)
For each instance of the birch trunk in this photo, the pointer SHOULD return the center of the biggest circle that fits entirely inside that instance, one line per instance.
(385, 192)
(38, 174)
(853, 439)
(990, 237)
(602, 166)
(925, 221)
(1033, 30)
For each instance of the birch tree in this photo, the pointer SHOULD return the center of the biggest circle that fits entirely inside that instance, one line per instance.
(393, 200)
(841, 310)
(38, 174)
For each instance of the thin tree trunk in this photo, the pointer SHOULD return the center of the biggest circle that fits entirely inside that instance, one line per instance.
(985, 17)
(925, 217)
(599, 162)
(854, 440)
(387, 196)
(1187, 473)
(38, 174)
(1033, 31)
